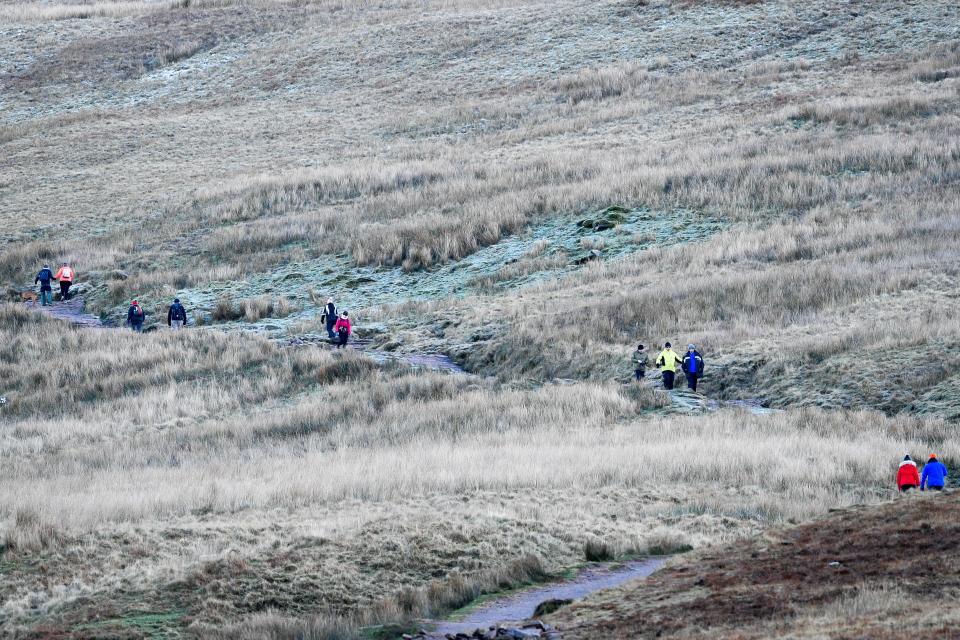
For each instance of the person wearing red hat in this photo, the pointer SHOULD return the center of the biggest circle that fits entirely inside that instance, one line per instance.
(135, 316)
(907, 476)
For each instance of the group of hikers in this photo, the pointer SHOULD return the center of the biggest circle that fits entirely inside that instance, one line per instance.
(691, 364)
(338, 324)
(64, 275)
(176, 316)
(934, 475)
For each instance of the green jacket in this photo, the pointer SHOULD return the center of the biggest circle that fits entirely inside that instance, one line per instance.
(639, 359)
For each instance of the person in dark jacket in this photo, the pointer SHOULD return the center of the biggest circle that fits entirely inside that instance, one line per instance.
(176, 315)
(46, 290)
(692, 366)
(639, 362)
(135, 316)
(330, 317)
(343, 329)
(934, 474)
(907, 476)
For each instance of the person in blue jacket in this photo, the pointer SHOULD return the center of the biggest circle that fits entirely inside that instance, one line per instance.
(46, 291)
(692, 366)
(934, 474)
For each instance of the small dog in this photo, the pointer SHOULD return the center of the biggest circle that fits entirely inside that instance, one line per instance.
(29, 296)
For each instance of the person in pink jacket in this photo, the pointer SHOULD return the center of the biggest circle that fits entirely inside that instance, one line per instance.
(342, 329)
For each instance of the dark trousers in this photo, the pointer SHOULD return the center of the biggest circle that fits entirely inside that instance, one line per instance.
(330, 333)
(906, 487)
(638, 374)
(692, 381)
(136, 326)
(668, 379)
(932, 488)
(65, 290)
(344, 336)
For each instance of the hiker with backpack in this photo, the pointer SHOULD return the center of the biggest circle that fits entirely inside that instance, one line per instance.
(934, 474)
(65, 276)
(343, 329)
(176, 315)
(692, 367)
(907, 476)
(639, 360)
(329, 317)
(667, 363)
(135, 316)
(46, 291)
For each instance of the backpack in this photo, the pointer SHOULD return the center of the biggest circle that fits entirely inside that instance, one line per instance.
(343, 329)
(177, 313)
(137, 312)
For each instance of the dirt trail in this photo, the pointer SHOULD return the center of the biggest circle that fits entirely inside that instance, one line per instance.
(71, 310)
(685, 401)
(518, 607)
(433, 361)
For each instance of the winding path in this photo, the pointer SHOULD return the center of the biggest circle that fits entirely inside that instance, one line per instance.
(71, 310)
(518, 607)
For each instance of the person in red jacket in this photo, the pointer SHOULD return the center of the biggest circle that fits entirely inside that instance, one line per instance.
(342, 329)
(907, 476)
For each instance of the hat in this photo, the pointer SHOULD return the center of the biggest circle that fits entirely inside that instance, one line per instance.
(933, 456)
(46, 266)
(134, 302)
(344, 314)
(906, 457)
(176, 299)
(667, 345)
(639, 346)
(691, 347)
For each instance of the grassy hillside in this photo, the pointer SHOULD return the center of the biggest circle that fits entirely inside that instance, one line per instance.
(531, 188)
(860, 573)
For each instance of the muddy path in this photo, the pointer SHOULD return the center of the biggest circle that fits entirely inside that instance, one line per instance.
(431, 361)
(685, 401)
(518, 607)
(71, 311)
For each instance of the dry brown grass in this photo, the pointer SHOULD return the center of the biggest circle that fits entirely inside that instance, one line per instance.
(197, 432)
(227, 476)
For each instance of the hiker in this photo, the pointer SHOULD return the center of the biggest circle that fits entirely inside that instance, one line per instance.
(46, 291)
(639, 362)
(667, 361)
(135, 316)
(176, 315)
(329, 316)
(934, 474)
(65, 276)
(692, 366)
(907, 476)
(342, 327)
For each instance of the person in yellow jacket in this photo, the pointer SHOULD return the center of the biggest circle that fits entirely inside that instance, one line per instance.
(667, 363)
